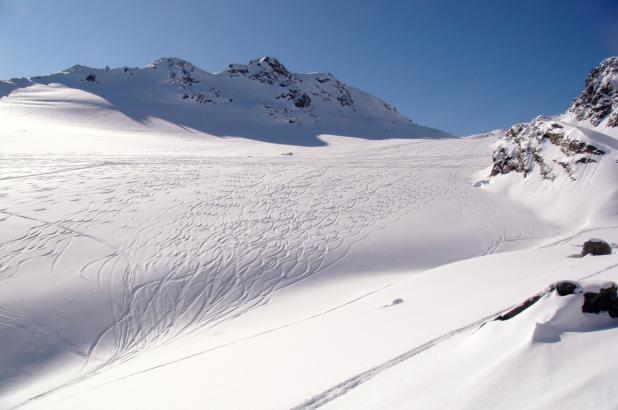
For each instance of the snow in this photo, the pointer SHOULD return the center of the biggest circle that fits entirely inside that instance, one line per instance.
(541, 358)
(161, 252)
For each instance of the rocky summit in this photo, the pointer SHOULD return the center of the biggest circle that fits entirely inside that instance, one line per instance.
(598, 102)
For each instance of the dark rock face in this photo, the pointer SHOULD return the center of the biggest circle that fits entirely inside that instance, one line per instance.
(596, 247)
(236, 70)
(300, 99)
(275, 65)
(91, 78)
(344, 98)
(522, 149)
(566, 287)
(267, 70)
(296, 88)
(179, 71)
(520, 308)
(181, 74)
(599, 100)
(303, 101)
(606, 300)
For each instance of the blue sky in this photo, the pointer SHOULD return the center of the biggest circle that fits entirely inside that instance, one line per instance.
(463, 66)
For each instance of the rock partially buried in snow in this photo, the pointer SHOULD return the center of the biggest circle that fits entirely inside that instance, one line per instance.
(596, 247)
(520, 308)
(605, 300)
(566, 287)
(562, 288)
(597, 299)
(396, 301)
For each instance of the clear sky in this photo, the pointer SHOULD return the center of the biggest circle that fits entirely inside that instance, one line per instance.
(466, 66)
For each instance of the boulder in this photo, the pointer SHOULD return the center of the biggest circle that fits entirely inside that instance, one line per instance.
(302, 101)
(606, 300)
(596, 247)
(565, 287)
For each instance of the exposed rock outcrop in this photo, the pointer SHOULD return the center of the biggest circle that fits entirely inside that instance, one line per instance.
(180, 74)
(297, 88)
(565, 287)
(605, 300)
(599, 100)
(551, 146)
(520, 308)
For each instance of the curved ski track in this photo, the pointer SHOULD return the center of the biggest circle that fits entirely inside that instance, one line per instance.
(185, 243)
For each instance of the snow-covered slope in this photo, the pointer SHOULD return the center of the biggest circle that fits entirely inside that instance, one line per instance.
(261, 100)
(565, 166)
(146, 262)
(551, 355)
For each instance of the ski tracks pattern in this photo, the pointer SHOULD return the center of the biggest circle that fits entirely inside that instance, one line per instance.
(180, 244)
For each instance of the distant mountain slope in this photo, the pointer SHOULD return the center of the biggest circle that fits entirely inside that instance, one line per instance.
(260, 100)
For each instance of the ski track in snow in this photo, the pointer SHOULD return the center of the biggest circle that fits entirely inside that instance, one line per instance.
(344, 387)
(203, 352)
(185, 243)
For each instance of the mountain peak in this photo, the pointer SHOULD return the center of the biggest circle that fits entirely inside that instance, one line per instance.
(265, 69)
(269, 64)
(77, 68)
(171, 62)
(599, 100)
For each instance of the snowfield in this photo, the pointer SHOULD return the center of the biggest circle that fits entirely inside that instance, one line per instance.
(255, 251)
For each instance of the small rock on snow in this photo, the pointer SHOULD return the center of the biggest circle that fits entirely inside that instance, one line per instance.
(596, 247)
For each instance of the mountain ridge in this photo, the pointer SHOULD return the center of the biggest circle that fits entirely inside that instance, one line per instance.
(261, 97)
